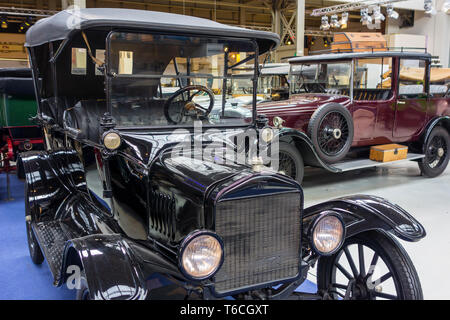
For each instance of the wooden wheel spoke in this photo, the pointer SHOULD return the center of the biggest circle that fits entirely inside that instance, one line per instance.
(344, 272)
(373, 263)
(339, 286)
(362, 267)
(385, 295)
(383, 278)
(351, 262)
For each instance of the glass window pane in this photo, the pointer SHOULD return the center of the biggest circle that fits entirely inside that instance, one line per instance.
(150, 75)
(412, 78)
(372, 79)
(79, 56)
(321, 78)
(100, 55)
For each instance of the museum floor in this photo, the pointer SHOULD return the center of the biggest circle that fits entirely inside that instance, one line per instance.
(427, 199)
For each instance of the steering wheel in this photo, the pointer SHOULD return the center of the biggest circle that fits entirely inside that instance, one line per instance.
(190, 108)
(314, 87)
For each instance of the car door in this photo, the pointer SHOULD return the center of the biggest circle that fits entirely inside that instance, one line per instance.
(411, 104)
(373, 116)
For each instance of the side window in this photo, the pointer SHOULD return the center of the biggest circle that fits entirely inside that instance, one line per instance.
(125, 62)
(411, 78)
(100, 55)
(79, 56)
(440, 82)
(372, 79)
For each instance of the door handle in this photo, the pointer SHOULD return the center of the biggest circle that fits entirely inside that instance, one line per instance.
(401, 102)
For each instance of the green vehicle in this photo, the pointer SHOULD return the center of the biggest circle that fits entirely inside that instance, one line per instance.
(18, 132)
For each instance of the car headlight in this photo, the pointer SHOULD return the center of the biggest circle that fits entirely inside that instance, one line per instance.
(111, 140)
(201, 255)
(327, 233)
(267, 134)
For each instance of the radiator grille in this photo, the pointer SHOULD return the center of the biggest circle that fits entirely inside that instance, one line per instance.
(262, 240)
(162, 214)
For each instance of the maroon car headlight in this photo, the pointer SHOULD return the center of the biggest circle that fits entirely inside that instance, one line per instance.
(327, 233)
(201, 255)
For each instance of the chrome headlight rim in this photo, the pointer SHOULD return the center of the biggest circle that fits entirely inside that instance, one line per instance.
(187, 240)
(115, 132)
(313, 226)
(267, 134)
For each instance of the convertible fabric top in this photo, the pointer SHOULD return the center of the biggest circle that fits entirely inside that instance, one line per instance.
(63, 24)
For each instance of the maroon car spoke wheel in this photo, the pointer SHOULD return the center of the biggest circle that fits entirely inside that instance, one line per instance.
(436, 153)
(291, 161)
(331, 132)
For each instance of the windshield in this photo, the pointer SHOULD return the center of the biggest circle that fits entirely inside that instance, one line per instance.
(321, 77)
(161, 80)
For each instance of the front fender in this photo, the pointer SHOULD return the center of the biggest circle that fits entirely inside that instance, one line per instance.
(304, 145)
(109, 265)
(362, 213)
(51, 177)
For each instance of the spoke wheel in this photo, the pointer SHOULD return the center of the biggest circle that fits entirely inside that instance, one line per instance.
(370, 266)
(291, 161)
(331, 132)
(436, 153)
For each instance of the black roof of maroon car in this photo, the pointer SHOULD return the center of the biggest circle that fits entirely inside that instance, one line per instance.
(356, 55)
(65, 23)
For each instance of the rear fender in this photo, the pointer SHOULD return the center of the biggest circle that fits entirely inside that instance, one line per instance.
(362, 213)
(443, 121)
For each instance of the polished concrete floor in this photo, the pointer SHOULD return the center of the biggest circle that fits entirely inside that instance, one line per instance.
(428, 200)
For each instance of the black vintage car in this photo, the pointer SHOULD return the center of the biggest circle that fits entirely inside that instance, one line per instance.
(126, 195)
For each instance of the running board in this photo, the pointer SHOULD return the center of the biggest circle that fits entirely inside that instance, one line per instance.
(367, 163)
(52, 239)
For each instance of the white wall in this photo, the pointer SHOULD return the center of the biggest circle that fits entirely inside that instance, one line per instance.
(436, 30)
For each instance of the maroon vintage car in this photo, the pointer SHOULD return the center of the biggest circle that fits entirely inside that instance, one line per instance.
(341, 104)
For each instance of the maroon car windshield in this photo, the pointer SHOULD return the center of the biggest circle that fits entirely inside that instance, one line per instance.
(320, 77)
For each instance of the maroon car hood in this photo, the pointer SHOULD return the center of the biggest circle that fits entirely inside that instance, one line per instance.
(299, 103)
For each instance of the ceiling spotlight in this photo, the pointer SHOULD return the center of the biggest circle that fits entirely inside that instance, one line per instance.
(26, 24)
(428, 7)
(334, 23)
(344, 20)
(377, 15)
(391, 13)
(324, 25)
(446, 7)
(3, 22)
(365, 18)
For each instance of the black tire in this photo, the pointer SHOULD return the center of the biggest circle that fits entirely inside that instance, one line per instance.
(291, 161)
(434, 163)
(83, 293)
(33, 246)
(331, 131)
(401, 270)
